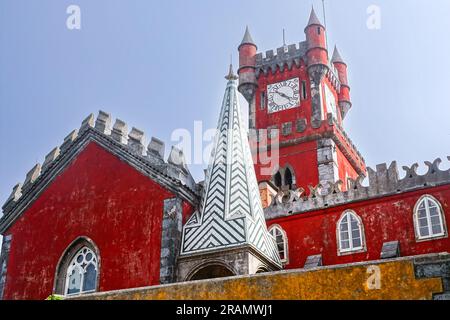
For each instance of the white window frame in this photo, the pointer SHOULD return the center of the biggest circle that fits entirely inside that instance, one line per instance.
(351, 249)
(71, 266)
(272, 230)
(430, 235)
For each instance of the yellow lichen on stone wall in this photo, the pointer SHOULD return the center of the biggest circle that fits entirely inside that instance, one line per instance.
(388, 280)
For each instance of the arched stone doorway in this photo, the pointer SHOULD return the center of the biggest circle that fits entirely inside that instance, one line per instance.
(262, 269)
(211, 271)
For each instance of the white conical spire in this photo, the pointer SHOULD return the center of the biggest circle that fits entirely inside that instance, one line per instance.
(231, 214)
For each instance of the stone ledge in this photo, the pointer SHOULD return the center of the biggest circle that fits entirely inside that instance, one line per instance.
(397, 280)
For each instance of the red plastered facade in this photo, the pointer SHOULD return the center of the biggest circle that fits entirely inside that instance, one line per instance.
(100, 197)
(384, 219)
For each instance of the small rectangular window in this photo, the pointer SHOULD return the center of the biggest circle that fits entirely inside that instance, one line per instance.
(304, 95)
(263, 100)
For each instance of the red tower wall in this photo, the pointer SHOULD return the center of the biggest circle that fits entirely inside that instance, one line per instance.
(265, 120)
(302, 158)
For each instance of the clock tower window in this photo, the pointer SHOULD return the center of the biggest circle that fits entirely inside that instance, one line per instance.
(277, 179)
(286, 128)
(288, 178)
(304, 94)
(263, 100)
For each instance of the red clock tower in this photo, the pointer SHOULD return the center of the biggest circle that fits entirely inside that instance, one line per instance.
(301, 98)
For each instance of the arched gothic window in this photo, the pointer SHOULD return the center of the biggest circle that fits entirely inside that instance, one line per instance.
(281, 240)
(350, 233)
(429, 220)
(277, 179)
(288, 178)
(78, 268)
(81, 274)
(284, 178)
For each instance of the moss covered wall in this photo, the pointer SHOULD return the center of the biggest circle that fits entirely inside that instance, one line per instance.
(395, 279)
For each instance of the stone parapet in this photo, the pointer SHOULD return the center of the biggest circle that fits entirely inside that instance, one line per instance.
(383, 181)
(411, 278)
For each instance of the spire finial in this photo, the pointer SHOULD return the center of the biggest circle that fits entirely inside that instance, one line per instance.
(337, 58)
(231, 76)
(313, 19)
(247, 38)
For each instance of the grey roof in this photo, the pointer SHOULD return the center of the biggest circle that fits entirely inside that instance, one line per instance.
(313, 19)
(337, 56)
(247, 38)
(231, 213)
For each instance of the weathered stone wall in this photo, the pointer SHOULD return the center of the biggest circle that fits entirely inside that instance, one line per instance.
(405, 278)
(4, 256)
(170, 239)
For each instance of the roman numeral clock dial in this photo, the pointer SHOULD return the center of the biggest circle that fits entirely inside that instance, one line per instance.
(283, 95)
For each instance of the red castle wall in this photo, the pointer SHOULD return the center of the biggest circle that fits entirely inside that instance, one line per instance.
(100, 197)
(384, 219)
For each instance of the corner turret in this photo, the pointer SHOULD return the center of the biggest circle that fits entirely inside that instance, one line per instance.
(317, 53)
(317, 61)
(247, 63)
(344, 94)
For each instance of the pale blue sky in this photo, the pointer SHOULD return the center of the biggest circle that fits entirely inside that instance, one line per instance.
(159, 65)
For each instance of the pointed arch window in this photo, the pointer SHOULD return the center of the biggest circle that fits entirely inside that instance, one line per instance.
(350, 233)
(281, 241)
(429, 220)
(277, 179)
(288, 178)
(78, 268)
(81, 274)
(285, 178)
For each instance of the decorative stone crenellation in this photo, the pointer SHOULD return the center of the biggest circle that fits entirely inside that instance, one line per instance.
(287, 57)
(117, 137)
(381, 182)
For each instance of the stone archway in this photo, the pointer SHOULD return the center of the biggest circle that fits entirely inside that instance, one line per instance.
(262, 269)
(211, 271)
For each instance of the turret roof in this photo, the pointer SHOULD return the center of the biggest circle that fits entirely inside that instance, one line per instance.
(313, 19)
(247, 38)
(337, 56)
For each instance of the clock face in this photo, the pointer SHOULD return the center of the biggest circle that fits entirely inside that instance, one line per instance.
(283, 95)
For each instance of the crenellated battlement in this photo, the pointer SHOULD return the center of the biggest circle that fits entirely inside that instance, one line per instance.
(285, 58)
(128, 145)
(381, 182)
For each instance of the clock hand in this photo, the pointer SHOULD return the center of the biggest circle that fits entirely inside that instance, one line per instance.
(284, 95)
